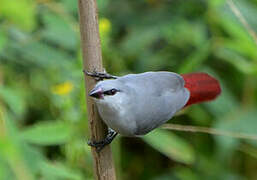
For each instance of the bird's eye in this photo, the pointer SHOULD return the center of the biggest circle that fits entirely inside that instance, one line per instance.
(110, 92)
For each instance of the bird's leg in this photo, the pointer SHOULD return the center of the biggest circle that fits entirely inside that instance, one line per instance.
(99, 76)
(99, 145)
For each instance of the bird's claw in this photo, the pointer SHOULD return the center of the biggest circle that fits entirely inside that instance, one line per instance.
(99, 145)
(99, 76)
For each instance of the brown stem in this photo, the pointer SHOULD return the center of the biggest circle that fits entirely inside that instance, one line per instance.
(92, 61)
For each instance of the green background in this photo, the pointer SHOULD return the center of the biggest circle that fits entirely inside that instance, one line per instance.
(43, 118)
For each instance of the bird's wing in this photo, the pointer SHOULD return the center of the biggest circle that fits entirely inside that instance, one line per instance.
(155, 82)
(157, 95)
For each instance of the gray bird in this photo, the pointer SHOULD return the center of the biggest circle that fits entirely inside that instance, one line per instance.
(135, 104)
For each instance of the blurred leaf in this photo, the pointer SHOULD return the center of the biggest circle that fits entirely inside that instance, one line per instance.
(134, 45)
(32, 156)
(238, 122)
(216, 3)
(20, 12)
(249, 149)
(195, 59)
(199, 115)
(185, 173)
(223, 104)
(38, 53)
(3, 40)
(235, 29)
(70, 6)
(248, 10)
(242, 64)
(47, 133)
(5, 172)
(102, 4)
(183, 33)
(170, 145)
(14, 98)
(242, 47)
(166, 176)
(240, 39)
(59, 32)
(11, 149)
(58, 171)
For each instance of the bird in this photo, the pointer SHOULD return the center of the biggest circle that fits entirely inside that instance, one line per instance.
(135, 104)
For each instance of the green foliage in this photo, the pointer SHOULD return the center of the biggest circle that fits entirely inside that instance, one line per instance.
(43, 118)
(170, 145)
(57, 133)
(238, 122)
(21, 13)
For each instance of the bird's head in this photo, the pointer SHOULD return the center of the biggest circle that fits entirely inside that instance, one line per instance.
(108, 91)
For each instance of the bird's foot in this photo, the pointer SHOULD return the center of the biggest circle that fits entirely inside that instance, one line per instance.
(99, 145)
(99, 76)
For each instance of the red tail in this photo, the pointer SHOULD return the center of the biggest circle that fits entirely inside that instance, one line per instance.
(202, 87)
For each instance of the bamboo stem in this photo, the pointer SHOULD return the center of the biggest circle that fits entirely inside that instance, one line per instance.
(92, 60)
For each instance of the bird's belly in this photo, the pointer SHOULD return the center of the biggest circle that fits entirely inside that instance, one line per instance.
(118, 119)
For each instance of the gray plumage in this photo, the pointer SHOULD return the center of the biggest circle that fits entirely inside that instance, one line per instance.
(143, 101)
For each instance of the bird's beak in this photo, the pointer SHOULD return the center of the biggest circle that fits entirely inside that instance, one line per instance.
(96, 93)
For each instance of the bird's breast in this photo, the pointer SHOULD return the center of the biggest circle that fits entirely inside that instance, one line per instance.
(118, 117)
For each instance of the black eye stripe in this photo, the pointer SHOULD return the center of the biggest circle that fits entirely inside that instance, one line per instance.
(111, 92)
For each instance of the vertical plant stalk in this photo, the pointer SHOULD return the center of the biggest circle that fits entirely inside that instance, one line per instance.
(92, 61)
